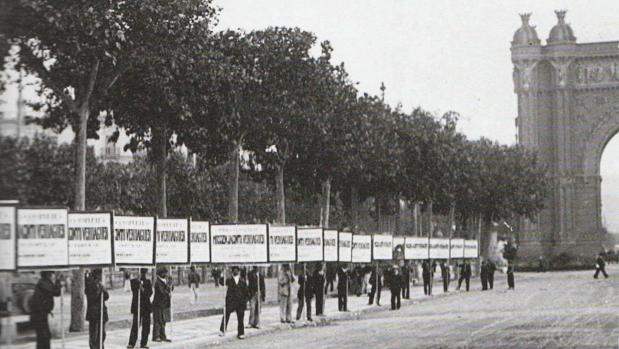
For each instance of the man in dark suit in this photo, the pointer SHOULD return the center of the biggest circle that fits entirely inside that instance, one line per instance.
(406, 280)
(510, 276)
(318, 279)
(395, 285)
(305, 293)
(427, 276)
(491, 270)
(600, 266)
(95, 291)
(237, 295)
(377, 285)
(445, 275)
(257, 292)
(465, 274)
(161, 305)
(342, 289)
(41, 304)
(143, 287)
(483, 275)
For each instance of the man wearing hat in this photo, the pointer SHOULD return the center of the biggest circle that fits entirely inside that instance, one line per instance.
(145, 288)
(161, 305)
(237, 295)
(42, 304)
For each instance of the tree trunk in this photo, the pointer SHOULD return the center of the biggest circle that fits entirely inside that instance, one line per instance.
(79, 204)
(161, 154)
(280, 196)
(233, 190)
(398, 212)
(431, 222)
(354, 206)
(326, 202)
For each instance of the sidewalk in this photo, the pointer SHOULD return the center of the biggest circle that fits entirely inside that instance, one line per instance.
(203, 331)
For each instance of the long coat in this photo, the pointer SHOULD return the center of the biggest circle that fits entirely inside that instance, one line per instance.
(145, 294)
(93, 291)
(284, 282)
(42, 302)
(237, 294)
(163, 292)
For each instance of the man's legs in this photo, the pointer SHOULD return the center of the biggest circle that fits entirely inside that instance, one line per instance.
(145, 329)
(491, 281)
(378, 295)
(240, 314)
(597, 272)
(308, 302)
(397, 301)
(157, 314)
(468, 281)
(133, 335)
(253, 311)
(299, 307)
(393, 295)
(224, 320)
(604, 273)
(371, 296)
(93, 334)
(44, 335)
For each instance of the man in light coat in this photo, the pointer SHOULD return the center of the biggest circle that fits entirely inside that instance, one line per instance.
(284, 292)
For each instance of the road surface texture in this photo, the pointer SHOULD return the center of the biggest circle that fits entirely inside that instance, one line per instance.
(546, 310)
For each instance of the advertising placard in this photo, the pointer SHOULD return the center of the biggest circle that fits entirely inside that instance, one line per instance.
(439, 248)
(239, 243)
(309, 245)
(172, 241)
(200, 243)
(361, 248)
(90, 239)
(282, 244)
(470, 249)
(416, 248)
(330, 244)
(456, 248)
(382, 248)
(134, 240)
(345, 247)
(8, 242)
(42, 238)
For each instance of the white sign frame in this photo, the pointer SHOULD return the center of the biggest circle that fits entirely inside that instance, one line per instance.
(456, 248)
(172, 252)
(199, 242)
(418, 250)
(344, 253)
(468, 249)
(331, 252)
(384, 250)
(224, 252)
(310, 253)
(281, 252)
(8, 238)
(130, 252)
(439, 248)
(85, 251)
(33, 253)
(360, 254)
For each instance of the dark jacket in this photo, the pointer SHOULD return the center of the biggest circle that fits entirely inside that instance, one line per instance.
(237, 295)
(145, 294)
(373, 279)
(163, 292)
(483, 273)
(306, 289)
(342, 280)
(600, 262)
(491, 268)
(93, 290)
(42, 302)
(396, 282)
(255, 278)
(318, 282)
(465, 270)
(406, 274)
(426, 268)
(445, 271)
(193, 278)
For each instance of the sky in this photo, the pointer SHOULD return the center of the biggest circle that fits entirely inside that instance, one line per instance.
(438, 54)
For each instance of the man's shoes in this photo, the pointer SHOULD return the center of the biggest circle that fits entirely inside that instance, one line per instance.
(221, 333)
(241, 336)
(129, 346)
(156, 340)
(144, 347)
(166, 340)
(256, 327)
(310, 320)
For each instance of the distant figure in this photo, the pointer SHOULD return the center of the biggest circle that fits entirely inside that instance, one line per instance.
(465, 274)
(445, 275)
(318, 280)
(406, 280)
(257, 295)
(342, 289)
(491, 270)
(377, 285)
(600, 266)
(41, 305)
(483, 275)
(126, 280)
(427, 276)
(194, 283)
(395, 285)
(237, 294)
(145, 287)
(305, 293)
(331, 272)
(541, 264)
(510, 276)
(161, 305)
(284, 282)
(216, 275)
(94, 291)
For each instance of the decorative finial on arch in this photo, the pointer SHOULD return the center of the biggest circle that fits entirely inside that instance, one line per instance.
(561, 15)
(525, 18)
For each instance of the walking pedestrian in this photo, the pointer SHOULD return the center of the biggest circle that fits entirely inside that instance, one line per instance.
(600, 266)
(427, 276)
(406, 280)
(284, 282)
(305, 295)
(161, 305)
(318, 280)
(257, 295)
(194, 283)
(483, 275)
(144, 286)
(331, 272)
(237, 294)
(491, 270)
(445, 275)
(216, 275)
(510, 276)
(465, 275)
(94, 290)
(342, 289)
(377, 285)
(126, 280)
(42, 304)
(396, 283)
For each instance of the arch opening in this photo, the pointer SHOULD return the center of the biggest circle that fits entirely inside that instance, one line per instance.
(609, 172)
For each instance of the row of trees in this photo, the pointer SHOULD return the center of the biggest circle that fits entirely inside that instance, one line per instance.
(258, 102)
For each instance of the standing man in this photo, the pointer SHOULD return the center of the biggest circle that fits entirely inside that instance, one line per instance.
(284, 282)
(42, 304)
(216, 274)
(600, 266)
(194, 283)
(330, 277)
(237, 294)
(318, 280)
(377, 285)
(491, 270)
(161, 305)
(465, 274)
(94, 290)
(427, 276)
(143, 285)
(395, 285)
(305, 293)
(483, 275)
(342, 289)
(256, 296)
(445, 275)
(406, 281)
(510, 276)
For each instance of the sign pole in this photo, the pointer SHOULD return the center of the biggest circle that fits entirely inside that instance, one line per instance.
(225, 292)
(171, 304)
(139, 303)
(304, 288)
(376, 285)
(62, 315)
(101, 320)
(259, 295)
(9, 308)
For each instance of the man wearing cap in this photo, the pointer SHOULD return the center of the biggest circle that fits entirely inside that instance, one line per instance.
(161, 305)
(42, 304)
(145, 288)
(94, 291)
(237, 295)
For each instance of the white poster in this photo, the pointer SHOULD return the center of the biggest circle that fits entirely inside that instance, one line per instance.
(200, 250)
(282, 244)
(330, 244)
(90, 238)
(42, 238)
(362, 248)
(134, 240)
(470, 249)
(456, 248)
(382, 247)
(7, 238)
(172, 241)
(345, 247)
(416, 248)
(309, 245)
(399, 248)
(439, 248)
(239, 243)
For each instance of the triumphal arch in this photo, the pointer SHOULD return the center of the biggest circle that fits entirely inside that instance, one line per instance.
(568, 110)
